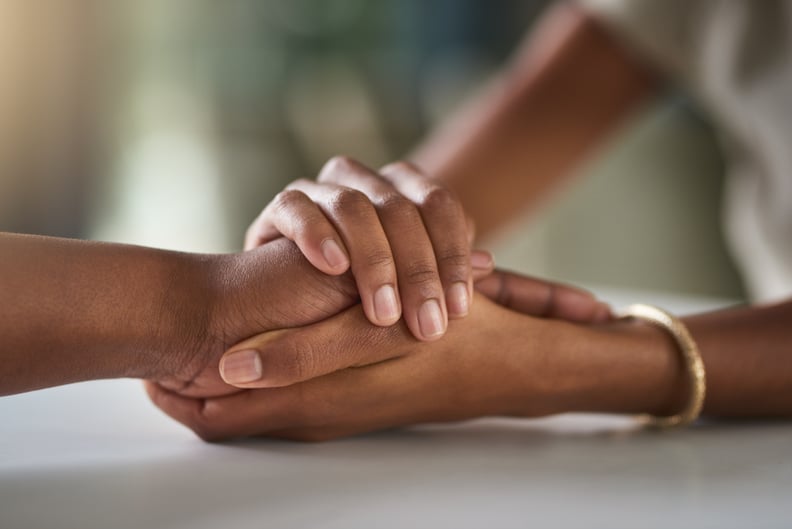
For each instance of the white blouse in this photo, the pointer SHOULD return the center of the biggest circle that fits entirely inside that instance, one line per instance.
(735, 58)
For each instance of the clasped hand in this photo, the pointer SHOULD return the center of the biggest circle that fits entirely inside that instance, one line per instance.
(328, 366)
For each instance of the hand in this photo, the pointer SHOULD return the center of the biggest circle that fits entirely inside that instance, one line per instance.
(404, 384)
(404, 236)
(254, 363)
(272, 287)
(542, 298)
(81, 310)
(492, 364)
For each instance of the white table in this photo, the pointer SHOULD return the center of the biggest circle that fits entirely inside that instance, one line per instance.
(99, 455)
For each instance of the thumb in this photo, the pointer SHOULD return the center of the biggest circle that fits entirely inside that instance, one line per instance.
(287, 356)
(541, 298)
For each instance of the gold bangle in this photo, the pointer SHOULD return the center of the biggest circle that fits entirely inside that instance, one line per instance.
(691, 356)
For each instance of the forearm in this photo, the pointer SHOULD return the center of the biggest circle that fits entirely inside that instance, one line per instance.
(75, 310)
(495, 362)
(632, 367)
(567, 90)
(748, 355)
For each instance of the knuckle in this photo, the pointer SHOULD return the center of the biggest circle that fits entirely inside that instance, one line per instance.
(300, 362)
(456, 257)
(394, 204)
(439, 198)
(421, 273)
(287, 198)
(299, 183)
(350, 201)
(379, 259)
(337, 166)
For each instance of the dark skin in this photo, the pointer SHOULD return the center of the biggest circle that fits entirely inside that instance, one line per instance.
(76, 310)
(403, 236)
(567, 91)
(497, 362)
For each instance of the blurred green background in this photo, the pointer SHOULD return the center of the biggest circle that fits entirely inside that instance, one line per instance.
(172, 123)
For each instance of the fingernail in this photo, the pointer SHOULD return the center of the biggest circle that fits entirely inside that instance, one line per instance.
(430, 319)
(241, 367)
(333, 254)
(481, 260)
(458, 300)
(386, 306)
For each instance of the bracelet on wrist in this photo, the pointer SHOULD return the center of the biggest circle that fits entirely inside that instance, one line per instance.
(694, 366)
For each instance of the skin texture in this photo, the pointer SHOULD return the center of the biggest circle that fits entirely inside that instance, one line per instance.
(498, 362)
(393, 379)
(301, 360)
(77, 310)
(404, 236)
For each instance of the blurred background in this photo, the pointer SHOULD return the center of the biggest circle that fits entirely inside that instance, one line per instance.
(172, 123)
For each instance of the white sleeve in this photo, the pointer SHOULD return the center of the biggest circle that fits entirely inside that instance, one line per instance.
(733, 56)
(665, 32)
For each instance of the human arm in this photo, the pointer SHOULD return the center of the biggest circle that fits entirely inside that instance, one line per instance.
(76, 310)
(569, 87)
(499, 362)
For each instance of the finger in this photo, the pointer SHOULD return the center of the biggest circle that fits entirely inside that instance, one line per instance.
(185, 410)
(482, 264)
(298, 218)
(351, 401)
(447, 227)
(541, 298)
(420, 287)
(288, 356)
(220, 418)
(259, 233)
(342, 403)
(364, 238)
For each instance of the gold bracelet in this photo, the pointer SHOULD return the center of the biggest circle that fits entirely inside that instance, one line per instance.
(691, 356)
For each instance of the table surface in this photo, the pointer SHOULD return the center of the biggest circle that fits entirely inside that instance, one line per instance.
(99, 455)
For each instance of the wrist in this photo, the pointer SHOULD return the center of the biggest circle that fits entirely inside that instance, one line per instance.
(618, 367)
(82, 310)
(634, 368)
(178, 335)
